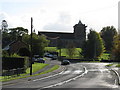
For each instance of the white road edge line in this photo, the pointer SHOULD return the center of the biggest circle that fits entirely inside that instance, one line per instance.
(48, 76)
(117, 76)
(61, 83)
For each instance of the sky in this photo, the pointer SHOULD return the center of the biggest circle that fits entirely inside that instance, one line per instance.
(59, 15)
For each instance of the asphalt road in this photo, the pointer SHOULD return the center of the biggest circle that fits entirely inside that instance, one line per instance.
(83, 76)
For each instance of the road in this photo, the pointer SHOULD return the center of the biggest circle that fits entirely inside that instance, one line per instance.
(76, 75)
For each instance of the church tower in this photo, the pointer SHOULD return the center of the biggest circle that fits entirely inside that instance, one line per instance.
(80, 32)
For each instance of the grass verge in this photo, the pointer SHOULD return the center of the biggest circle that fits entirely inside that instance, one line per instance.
(50, 70)
(109, 65)
(44, 72)
(118, 65)
(35, 66)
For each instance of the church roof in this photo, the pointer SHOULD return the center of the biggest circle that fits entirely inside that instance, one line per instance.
(60, 35)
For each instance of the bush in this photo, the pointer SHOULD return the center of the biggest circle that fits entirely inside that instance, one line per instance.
(5, 53)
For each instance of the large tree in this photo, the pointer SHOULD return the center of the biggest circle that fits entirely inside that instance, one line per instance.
(107, 34)
(12, 34)
(116, 48)
(38, 43)
(15, 32)
(93, 47)
(71, 50)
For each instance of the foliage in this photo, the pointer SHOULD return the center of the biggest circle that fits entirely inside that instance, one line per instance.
(71, 50)
(118, 65)
(15, 32)
(14, 55)
(24, 52)
(5, 53)
(64, 51)
(80, 54)
(93, 47)
(105, 56)
(116, 48)
(51, 49)
(6, 39)
(12, 34)
(107, 34)
(38, 43)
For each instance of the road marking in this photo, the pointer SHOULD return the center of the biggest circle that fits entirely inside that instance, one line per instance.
(101, 70)
(66, 72)
(66, 81)
(77, 71)
(48, 77)
(63, 73)
(72, 72)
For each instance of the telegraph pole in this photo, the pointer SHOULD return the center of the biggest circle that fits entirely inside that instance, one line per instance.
(31, 48)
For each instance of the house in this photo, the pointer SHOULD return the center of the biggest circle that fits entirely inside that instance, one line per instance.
(62, 39)
(17, 46)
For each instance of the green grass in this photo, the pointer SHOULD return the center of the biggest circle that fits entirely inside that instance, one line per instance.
(50, 70)
(55, 67)
(51, 49)
(63, 51)
(113, 64)
(110, 65)
(118, 65)
(105, 56)
(35, 67)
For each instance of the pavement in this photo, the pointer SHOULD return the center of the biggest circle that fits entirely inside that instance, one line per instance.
(116, 70)
(61, 68)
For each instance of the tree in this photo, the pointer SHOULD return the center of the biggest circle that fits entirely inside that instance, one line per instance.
(93, 47)
(15, 32)
(116, 48)
(107, 34)
(38, 43)
(5, 35)
(4, 26)
(71, 50)
(12, 34)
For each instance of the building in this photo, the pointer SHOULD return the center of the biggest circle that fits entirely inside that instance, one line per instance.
(17, 46)
(61, 39)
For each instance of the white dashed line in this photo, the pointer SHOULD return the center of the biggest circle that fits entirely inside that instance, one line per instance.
(61, 83)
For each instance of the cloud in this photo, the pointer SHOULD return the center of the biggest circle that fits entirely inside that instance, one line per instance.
(14, 21)
(62, 23)
(5, 16)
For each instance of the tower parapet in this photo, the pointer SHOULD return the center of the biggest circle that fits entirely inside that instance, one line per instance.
(80, 32)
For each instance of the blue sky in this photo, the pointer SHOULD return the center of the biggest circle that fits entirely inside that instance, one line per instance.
(59, 15)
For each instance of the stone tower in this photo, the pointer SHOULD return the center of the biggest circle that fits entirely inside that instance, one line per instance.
(80, 33)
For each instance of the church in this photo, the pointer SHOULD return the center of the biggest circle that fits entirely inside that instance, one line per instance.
(62, 39)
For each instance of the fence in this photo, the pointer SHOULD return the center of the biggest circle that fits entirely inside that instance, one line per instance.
(12, 66)
(12, 72)
(12, 63)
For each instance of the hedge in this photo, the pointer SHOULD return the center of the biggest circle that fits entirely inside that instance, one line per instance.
(9, 63)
